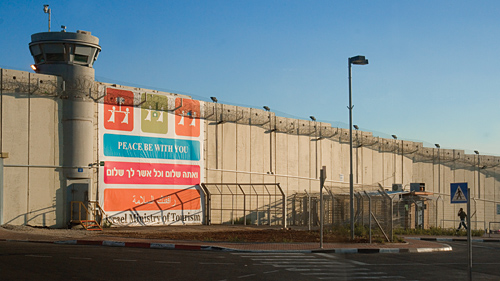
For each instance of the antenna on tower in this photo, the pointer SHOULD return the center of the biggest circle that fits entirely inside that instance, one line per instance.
(46, 10)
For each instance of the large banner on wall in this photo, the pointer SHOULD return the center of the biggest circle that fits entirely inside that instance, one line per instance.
(151, 145)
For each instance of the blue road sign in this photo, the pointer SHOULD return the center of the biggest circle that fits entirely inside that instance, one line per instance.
(458, 192)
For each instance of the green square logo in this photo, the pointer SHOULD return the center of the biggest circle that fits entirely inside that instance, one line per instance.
(154, 114)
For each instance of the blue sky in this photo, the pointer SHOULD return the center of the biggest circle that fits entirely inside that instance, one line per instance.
(433, 74)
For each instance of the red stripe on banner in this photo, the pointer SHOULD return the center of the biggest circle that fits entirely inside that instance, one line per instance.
(151, 173)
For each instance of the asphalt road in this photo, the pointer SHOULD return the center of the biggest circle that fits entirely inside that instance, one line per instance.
(439, 265)
(39, 261)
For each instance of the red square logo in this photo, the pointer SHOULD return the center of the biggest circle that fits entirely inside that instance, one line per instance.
(119, 110)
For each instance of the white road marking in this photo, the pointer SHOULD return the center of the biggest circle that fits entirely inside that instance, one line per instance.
(38, 256)
(357, 262)
(327, 269)
(330, 256)
(343, 273)
(246, 276)
(366, 277)
(297, 262)
(217, 263)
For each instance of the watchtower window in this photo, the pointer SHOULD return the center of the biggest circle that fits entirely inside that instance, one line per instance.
(54, 52)
(39, 58)
(82, 54)
(37, 53)
(81, 58)
(54, 57)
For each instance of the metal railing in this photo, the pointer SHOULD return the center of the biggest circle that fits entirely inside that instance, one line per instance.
(80, 212)
(244, 203)
(489, 228)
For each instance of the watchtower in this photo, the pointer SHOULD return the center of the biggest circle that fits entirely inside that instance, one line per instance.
(71, 56)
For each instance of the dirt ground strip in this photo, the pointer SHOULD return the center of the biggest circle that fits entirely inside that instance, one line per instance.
(227, 233)
(270, 236)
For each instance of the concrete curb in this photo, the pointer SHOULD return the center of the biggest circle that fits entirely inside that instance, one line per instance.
(109, 243)
(451, 239)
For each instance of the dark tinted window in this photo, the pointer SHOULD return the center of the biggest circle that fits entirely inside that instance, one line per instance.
(81, 58)
(55, 57)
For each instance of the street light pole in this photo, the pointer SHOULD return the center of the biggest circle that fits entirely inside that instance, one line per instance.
(361, 60)
(439, 177)
(478, 175)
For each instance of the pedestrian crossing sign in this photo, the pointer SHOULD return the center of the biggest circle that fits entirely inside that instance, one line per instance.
(458, 192)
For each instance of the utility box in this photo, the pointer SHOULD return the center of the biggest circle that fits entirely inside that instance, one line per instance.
(397, 187)
(417, 186)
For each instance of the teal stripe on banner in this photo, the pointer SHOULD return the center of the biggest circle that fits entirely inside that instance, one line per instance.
(148, 147)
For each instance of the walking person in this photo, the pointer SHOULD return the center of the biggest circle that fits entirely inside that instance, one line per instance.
(462, 216)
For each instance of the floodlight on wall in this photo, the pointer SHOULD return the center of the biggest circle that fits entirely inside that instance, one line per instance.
(266, 108)
(356, 127)
(395, 137)
(437, 145)
(214, 99)
(312, 118)
(477, 152)
(33, 67)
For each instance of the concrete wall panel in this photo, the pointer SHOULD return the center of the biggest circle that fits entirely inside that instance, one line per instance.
(15, 195)
(44, 203)
(15, 128)
(228, 151)
(257, 149)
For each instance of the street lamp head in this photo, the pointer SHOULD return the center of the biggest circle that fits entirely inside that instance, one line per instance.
(312, 118)
(437, 145)
(477, 152)
(214, 99)
(395, 137)
(356, 127)
(267, 108)
(361, 60)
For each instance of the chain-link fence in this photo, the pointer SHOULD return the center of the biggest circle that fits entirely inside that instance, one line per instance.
(375, 211)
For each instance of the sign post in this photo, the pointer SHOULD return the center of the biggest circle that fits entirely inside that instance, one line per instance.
(322, 179)
(469, 240)
(460, 193)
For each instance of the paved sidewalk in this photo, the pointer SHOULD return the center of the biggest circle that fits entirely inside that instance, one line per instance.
(108, 237)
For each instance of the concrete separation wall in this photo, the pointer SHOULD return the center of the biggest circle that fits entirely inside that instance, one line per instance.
(241, 145)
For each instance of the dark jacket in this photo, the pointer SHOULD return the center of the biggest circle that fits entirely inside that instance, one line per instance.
(462, 215)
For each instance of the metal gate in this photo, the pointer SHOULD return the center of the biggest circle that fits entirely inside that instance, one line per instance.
(244, 203)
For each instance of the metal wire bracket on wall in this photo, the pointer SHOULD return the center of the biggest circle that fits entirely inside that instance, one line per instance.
(245, 203)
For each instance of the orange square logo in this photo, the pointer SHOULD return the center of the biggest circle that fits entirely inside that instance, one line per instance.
(187, 117)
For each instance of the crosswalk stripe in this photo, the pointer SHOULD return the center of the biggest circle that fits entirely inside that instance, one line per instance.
(319, 266)
(341, 273)
(362, 278)
(327, 269)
